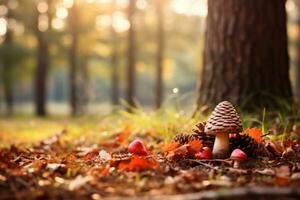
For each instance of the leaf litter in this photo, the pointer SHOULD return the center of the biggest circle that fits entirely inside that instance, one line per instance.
(53, 169)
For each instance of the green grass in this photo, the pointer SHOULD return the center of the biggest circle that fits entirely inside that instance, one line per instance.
(29, 130)
(164, 124)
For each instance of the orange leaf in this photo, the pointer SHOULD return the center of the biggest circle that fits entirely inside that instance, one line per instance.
(194, 146)
(255, 134)
(281, 181)
(179, 152)
(170, 147)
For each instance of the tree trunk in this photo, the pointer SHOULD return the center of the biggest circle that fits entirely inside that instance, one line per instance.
(84, 86)
(73, 15)
(297, 89)
(160, 53)
(131, 56)
(245, 56)
(114, 65)
(7, 76)
(41, 75)
(42, 66)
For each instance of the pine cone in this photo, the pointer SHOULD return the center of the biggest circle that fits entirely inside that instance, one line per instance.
(183, 138)
(245, 143)
(207, 140)
(198, 134)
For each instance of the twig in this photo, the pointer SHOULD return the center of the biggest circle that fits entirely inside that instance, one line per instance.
(202, 163)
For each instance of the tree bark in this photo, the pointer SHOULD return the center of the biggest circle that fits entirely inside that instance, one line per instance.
(115, 80)
(131, 56)
(42, 66)
(160, 53)
(73, 17)
(245, 54)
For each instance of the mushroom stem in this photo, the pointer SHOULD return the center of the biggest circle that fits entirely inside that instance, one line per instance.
(236, 164)
(221, 146)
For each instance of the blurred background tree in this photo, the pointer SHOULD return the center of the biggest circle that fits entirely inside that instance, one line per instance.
(131, 57)
(160, 6)
(297, 71)
(42, 18)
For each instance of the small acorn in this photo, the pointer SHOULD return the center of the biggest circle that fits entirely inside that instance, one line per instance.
(137, 147)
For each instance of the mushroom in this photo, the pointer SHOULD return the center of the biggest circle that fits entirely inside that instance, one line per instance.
(137, 147)
(204, 154)
(237, 156)
(223, 121)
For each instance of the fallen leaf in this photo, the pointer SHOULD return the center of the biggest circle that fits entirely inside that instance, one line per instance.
(283, 171)
(194, 146)
(295, 176)
(281, 181)
(178, 152)
(91, 154)
(255, 133)
(275, 149)
(138, 163)
(78, 182)
(55, 166)
(104, 156)
(267, 171)
(289, 153)
(170, 147)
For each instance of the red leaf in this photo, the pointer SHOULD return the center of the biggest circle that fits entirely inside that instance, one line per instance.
(138, 163)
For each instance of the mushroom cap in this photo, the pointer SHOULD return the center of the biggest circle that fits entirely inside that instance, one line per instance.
(224, 119)
(238, 154)
(137, 147)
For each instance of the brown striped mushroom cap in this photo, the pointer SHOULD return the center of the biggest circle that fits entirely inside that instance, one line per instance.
(224, 119)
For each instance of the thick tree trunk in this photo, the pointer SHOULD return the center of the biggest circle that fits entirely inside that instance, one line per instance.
(131, 56)
(73, 59)
(245, 57)
(114, 65)
(160, 53)
(42, 66)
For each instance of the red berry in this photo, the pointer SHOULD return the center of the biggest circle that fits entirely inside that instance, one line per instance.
(204, 154)
(137, 147)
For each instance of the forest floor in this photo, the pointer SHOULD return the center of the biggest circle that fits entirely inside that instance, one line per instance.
(87, 158)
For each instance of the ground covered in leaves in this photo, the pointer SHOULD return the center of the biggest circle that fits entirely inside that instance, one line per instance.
(56, 168)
